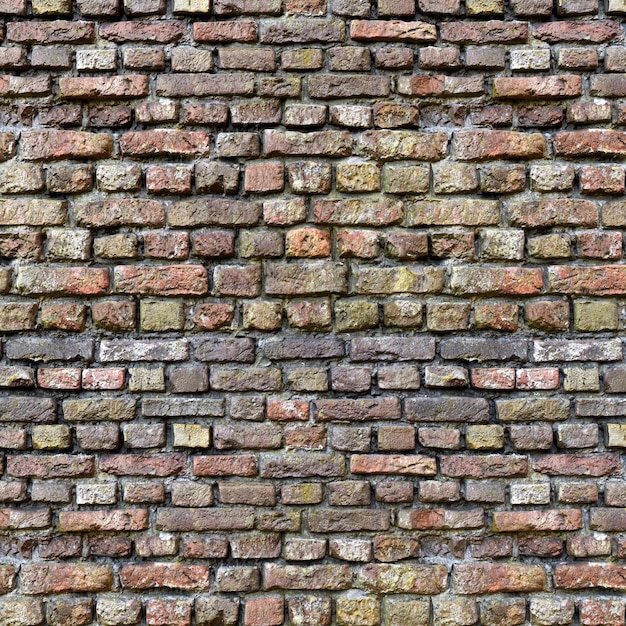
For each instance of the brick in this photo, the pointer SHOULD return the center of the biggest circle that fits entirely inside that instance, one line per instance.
(312, 30)
(515, 281)
(111, 213)
(48, 145)
(546, 213)
(163, 280)
(382, 30)
(446, 409)
(88, 521)
(215, 212)
(563, 86)
(396, 578)
(525, 521)
(577, 464)
(494, 144)
(440, 85)
(164, 575)
(485, 466)
(322, 143)
(588, 142)
(101, 87)
(330, 577)
(448, 213)
(165, 142)
(601, 31)
(38, 579)
(387, 145)
(588, 575)
(58, 31)
(479, 578)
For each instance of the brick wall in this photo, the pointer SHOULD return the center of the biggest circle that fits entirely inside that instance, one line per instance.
(311, 312)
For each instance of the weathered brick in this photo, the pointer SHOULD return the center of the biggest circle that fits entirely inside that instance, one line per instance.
(600, 32)
(165, 576)
(400, 578)
(102, 87)
(48, 145)
(589, 575)
(483, 145)
(51, 578)
(58, 31)
(388, 145)
(562, 86)
(88, 521)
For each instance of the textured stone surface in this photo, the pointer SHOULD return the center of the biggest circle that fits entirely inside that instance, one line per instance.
(312, 310)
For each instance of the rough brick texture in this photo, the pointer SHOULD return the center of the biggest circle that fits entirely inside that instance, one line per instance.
(311, 312)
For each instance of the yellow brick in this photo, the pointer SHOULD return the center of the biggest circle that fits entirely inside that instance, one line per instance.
(484, 437)
(56, 437)
(190, 436)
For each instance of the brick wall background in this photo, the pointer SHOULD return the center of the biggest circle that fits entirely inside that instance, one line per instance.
(312, 312)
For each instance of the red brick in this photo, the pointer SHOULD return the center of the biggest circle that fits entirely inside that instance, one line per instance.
(168, 612)
(100, 378)
(198, 85)
(413, 465)
(24, 519)
(589, 576)
(440, 519)
(590, 143)
(58, 31)
(51, 578)
(562, 86)
(493, 378)
(264, 612)
(213, 316)
(165, 142)
(59, 378)
(264, 177)
(600, 31)
(440, 85)
(50, 466)
(577, 464)
(532, 378)
(605, 280)
(493, 31)
(289, 410)
(143, 464)
(18, 86)
(533, 521)
(216, 243)
(165, 576)
(485, 466)
(143, 31)
(479, 578)
(49, 145)
(391, 30)
(225, 465)
(472, 145)
(89, 521)
(120, 87)
(601, 612)
(164, 280)
(243, 31)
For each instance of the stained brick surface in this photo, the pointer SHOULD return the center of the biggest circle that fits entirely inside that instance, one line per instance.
(311, 312)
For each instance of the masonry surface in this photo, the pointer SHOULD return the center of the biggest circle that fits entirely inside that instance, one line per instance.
(312, 312)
